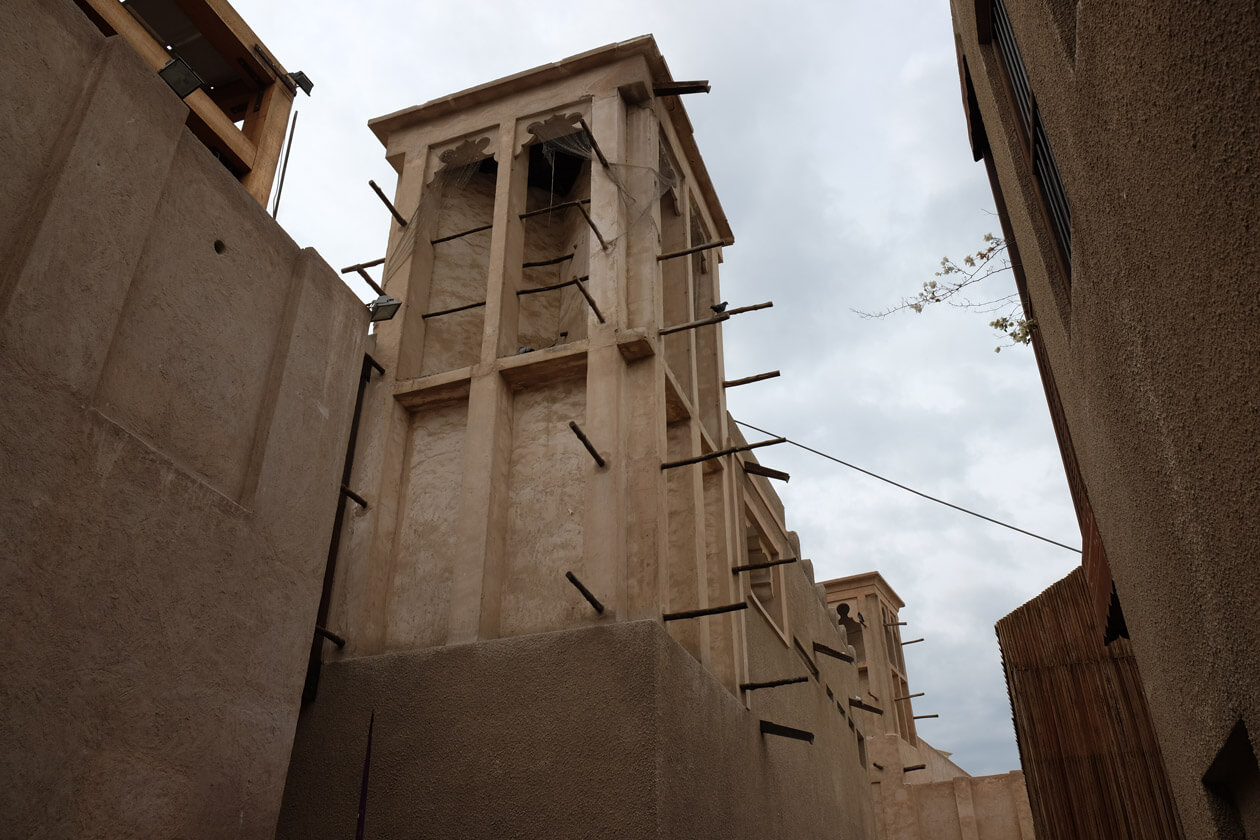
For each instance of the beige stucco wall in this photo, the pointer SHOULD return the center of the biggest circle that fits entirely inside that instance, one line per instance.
(171, 436)
(941, 801)
(1152, 114)
(485, 498)
(612, 731)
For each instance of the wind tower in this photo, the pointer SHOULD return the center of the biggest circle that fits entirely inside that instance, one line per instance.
(554, 231)
(547, 487)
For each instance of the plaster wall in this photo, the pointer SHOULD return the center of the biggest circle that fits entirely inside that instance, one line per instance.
(427, 546)
(459, 566)
(528, 503)
(926, 804)
(171, 437)
(459, 274)
(1152, 345)
(546, 492)
(611, 731)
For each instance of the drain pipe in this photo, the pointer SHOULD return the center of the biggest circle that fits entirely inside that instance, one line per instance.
(330, 568)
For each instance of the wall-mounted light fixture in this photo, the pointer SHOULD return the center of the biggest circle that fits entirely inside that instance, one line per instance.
(384, 308)
(302, 80)
(181, 77)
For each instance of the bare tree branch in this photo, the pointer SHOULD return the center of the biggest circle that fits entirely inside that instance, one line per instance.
(956, 277)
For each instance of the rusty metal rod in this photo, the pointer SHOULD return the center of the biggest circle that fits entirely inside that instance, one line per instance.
(354, 497)
(540, 263)
(742, 605)
(461, 233)
(310, 687)
(590, 447)
(669, 465)
(586, 593)
(695, 249)
(819, 647)
(361, 821)
(429, 315)
(561, 206)
(750, 567)
(757, 469)
(772, 728)
(590, 135)
(284, 170)
(399, 216)
(753, 686)
(590, 300)
(748, 380)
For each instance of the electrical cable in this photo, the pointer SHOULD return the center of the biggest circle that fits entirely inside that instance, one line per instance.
(911, 489)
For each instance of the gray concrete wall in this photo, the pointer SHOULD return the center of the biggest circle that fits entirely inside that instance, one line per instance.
(178, 383)
(612, 731)
(1152, 114)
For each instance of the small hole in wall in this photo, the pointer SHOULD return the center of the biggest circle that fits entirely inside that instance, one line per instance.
(219, 247)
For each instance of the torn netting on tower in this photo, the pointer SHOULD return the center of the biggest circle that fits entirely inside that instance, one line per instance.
(560, 134)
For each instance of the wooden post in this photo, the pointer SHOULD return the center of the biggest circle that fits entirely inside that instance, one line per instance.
(590, 300)
(771, 728)
(757, 469)
(748, 380)
(590, 447)
(753, 686)
(379, 194)
(695, 249)
(766, 565)
(586, 593)
(742, 605)
(669, 465)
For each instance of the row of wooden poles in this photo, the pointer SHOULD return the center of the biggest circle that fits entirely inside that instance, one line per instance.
(361, 270)
(767, 727)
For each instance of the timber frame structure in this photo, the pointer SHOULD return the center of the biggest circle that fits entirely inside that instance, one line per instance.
(242, 82)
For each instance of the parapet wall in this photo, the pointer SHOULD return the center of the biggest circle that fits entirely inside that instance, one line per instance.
(612, 732)
(178, 383)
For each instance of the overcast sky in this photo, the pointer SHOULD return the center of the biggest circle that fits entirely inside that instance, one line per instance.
(836, 142)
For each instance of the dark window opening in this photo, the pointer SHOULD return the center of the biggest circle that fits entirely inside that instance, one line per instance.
(1053, 197)
(1233, 786)
(853, 632)
(554, 169)
(1116, 628)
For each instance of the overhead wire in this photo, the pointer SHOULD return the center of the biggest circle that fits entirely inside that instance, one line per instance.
(911, 489)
